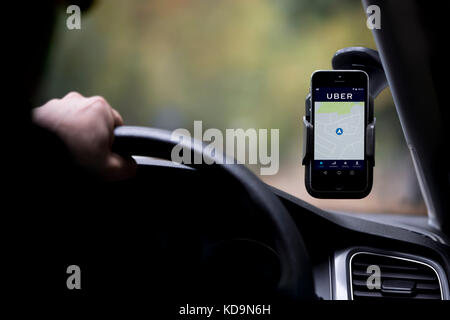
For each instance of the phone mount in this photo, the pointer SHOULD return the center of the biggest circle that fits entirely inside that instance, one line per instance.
(352, 58)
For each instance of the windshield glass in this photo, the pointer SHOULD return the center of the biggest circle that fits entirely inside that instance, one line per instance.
(230, 64)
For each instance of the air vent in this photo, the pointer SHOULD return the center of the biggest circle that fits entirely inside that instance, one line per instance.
(400, 278)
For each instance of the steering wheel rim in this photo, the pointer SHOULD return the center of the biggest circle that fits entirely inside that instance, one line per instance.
(296, 274)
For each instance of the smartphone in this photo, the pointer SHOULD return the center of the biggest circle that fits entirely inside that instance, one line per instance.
(339, 112)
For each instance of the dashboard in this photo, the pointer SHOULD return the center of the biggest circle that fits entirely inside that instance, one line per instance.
(414, 257)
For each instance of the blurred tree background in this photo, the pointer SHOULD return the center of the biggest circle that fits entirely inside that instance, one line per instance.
(232, 64)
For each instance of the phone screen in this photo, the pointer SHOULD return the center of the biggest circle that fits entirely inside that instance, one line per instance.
(339, 128)
(339, 107)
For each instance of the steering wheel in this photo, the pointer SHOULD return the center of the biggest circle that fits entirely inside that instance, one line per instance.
(295, 271)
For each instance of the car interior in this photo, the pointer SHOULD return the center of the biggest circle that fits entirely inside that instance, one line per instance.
(261, 241)
(214, 233)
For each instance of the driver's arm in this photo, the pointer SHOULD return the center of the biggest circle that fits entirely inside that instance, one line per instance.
(86, 126)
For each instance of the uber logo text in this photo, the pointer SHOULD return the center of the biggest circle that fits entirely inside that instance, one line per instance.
(374, 280)
(74, 20)
(235, 139)
(342, 96)
(74, 280)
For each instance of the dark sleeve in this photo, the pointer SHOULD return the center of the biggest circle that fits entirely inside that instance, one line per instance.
(44, 160)
(48, 213)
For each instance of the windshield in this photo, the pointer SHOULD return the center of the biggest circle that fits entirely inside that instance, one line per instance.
(230, 64)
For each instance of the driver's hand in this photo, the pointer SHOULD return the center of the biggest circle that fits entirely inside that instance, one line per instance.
(86, 125)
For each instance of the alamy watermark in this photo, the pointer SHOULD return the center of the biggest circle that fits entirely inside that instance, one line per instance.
(74, 279)
(73, 21)
(373, 17)
(235, 142)
(374, 280)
